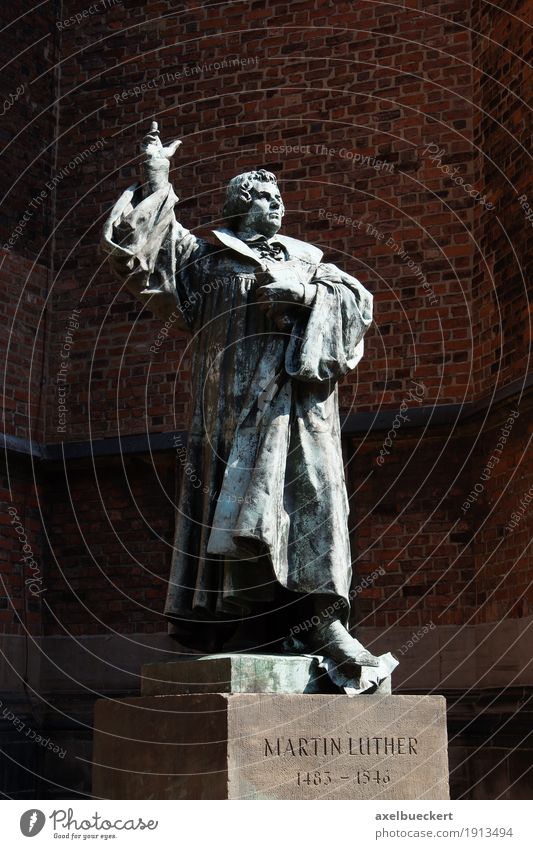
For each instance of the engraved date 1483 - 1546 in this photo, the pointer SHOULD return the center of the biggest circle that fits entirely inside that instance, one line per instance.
(324, 777)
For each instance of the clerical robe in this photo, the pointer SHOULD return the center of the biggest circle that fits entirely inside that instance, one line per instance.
(263, 499)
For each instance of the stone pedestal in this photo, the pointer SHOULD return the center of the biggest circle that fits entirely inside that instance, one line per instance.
(238, 744)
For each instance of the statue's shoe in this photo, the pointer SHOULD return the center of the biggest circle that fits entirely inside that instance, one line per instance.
(332, 639)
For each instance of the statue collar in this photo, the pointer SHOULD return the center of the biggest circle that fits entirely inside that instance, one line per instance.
(294, 247)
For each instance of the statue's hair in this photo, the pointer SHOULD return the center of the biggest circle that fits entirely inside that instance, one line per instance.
(239, 191)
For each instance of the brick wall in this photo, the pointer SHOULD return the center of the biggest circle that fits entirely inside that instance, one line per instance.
(501, 311)
(405, 524)
(22, 574)
(25, 322)
(500, 518)
(28, 87)
(28, 84)
(504, 238)
(110, 529)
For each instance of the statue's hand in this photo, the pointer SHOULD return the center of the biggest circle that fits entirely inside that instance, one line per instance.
(277, 297)
(279, 284)
(152, 145)
(278, 291)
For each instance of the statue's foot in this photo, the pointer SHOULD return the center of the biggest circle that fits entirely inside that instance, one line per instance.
(333, 640)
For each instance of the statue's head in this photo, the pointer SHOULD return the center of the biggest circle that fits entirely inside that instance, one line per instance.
(253, 203)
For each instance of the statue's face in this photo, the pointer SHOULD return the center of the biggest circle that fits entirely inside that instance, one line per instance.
(266, 211)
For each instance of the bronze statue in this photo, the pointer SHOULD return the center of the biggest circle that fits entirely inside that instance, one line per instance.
(261, 555)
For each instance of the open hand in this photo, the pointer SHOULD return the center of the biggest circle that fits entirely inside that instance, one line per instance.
(153, 146)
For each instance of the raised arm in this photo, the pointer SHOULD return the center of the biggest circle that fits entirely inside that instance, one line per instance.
(150, 252)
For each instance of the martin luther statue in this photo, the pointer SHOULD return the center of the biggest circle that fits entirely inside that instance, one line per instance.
(261, 549)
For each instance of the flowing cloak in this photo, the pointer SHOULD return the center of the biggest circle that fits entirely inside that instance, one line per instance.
(263, 499)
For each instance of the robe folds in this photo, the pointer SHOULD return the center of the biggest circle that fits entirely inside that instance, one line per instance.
(263, 499)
